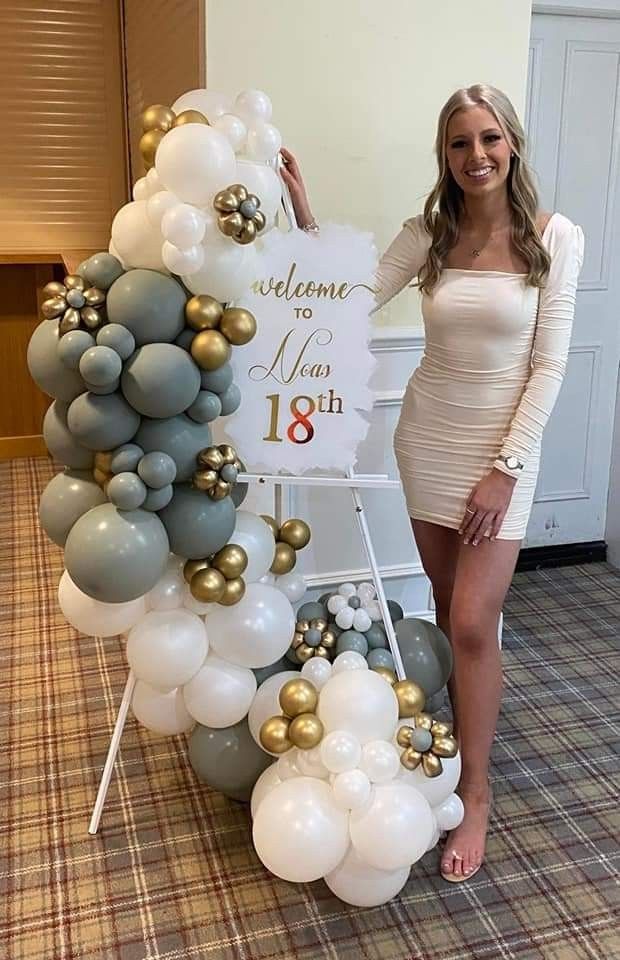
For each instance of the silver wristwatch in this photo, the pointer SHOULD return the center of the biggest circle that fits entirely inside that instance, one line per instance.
(512, 462)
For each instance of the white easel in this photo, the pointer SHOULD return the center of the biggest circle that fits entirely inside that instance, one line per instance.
(353, 482)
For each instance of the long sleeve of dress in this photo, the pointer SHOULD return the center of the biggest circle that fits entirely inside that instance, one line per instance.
(402, 260)
(551, 342)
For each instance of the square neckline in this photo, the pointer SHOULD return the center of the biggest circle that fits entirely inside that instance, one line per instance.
(504, 273)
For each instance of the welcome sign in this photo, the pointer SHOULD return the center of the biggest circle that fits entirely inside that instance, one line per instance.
(304, 377)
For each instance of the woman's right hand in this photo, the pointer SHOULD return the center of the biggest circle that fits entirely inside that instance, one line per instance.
(291, 174)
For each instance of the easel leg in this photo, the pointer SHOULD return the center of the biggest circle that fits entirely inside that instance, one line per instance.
(115, 742)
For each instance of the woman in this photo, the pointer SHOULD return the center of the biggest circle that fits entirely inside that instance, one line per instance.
(498, 280)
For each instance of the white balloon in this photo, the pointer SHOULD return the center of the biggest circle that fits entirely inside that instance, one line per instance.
(182, 262)
(194, 161)
(140, 189)
(234, 129)
(269, 578)
(154, 183)
(356, 882)
(183, 225)
(345, 617)
(347, 590)
(266, 703)
(264, 142)
(263, 182)
(256, 537)
(340, 751)
(136, 239)
(392, 831)
(208, 102)
(434, 840)
(220, 694)
(366, 592)
(361, 702)
(163, 713)
(287, 765)
(351, 789)
(299, 832)
(435, 789)
(374, 611)
(361, 621)
(380, 761)
(266, 782)
(349, 660)
(253, 106)
(168, 592)
(257, 631)
(310, 763)
(227, 271)
(292, 586)
(336, 603)
(167, 647)
(94, 617)
(450, 813)
(157, 205)
(317, 670)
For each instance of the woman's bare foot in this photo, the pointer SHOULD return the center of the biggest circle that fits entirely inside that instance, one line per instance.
(464, 848)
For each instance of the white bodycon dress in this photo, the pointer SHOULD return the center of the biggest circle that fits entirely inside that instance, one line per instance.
(494, 359)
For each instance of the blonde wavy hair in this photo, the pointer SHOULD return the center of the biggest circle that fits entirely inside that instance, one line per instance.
(443, 224)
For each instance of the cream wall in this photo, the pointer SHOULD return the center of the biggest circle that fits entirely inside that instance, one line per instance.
(357, 86)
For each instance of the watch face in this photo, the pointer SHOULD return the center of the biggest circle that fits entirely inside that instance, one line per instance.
(512, 463)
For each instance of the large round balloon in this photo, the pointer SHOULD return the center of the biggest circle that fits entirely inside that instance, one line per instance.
(426, 653)
(256, 537)
(47, 369)
(266, 703)
(227, 271)
(194, 161)
(220, 693)
(114, 555)
(60, 441)
(136, 241)
(435, 789)
(149, 304)
(356, 882)
(161, 712)
(180, 437)
(94, 618)
(102, 422)
(160, 380)
(266, 782)
(169, 591)
(394, 829)
(227, 759)
(361, 702)
(197, 526)
(262, 181)
(209, 103)
(65, 499)
(257, 630)
(299, 832)
(167, 647)
(101, 270)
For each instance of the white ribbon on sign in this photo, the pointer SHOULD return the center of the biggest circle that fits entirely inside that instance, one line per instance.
(304, 377)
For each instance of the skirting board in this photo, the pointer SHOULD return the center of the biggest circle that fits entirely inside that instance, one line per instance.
(562, 555)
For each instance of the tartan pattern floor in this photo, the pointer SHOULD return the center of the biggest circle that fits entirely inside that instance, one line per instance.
(172, 873)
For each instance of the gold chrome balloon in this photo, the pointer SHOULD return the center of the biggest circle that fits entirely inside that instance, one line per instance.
(210, 349)
(328, 639)
(239, 214)
(240, 192)
(229, 454)
(203, 312)
(321, 651)
(233, 592)
(444, 747)
(306, 731)
(54, 289)
(410, 758)
(211, 457)
(220, 490)
(208, 585)
(411, 698)
(304, 653)
(230, 223)
(284, 560)
(191, 567)
(431, 765)
(205, 479)
(231, 560)
(441, 728)
(149, 143)
(271, 523)
(386, 673)
(53, 307)
(296, 533)
(157, 117)
(273, 735)
(298, 696)
(424, 720)
(189, 116)
(403, 737)
(100, 476)
(238, 325)
(103, 460)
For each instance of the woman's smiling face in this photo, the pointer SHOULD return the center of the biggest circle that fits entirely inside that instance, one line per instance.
(477, 151)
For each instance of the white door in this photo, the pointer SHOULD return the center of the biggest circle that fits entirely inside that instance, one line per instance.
(573, 127)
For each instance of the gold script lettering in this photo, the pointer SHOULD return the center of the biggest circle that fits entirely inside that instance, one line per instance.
(300, 367)
(291, 288)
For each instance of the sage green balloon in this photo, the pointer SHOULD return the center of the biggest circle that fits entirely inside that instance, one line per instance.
(60, 441)
(46, 367)
(160, 380)
(102, 422)
(206, 407)
(197, 526)
(227, 759)
(396, 611)
(66, 498)
(426, 653)
(180, 437)
(125, 459)
(100, 366)
(312, 610)
(116, 555)
(149, 304)
(230, 400)
(352, 640)
(376, 637)
(160, 498)
(157, 469)
(73, 346)
(127, 491)
(217, 380)
(118, 338)
(380, 658)
(101, 270)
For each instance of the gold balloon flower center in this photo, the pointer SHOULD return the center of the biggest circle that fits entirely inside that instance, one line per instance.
(78, 306)
(239, 216)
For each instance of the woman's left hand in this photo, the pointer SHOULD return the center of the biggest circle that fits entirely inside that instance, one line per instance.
(486, 507)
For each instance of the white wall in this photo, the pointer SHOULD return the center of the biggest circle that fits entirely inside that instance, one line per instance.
(612, 532)
(357, 86)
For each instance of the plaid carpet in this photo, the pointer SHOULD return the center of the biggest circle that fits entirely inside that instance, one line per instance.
(172, 873)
